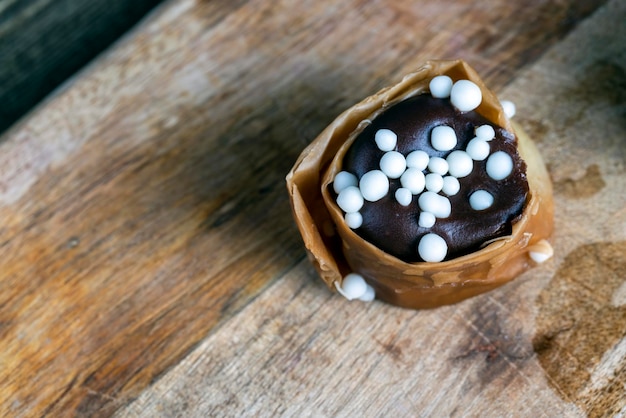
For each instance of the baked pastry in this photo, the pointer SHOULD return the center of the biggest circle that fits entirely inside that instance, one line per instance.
(423, 194)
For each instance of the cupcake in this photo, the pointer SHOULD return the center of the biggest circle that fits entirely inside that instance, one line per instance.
(423, 194)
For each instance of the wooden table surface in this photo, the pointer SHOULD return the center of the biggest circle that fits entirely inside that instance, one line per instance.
(149, 264)
(43, 42)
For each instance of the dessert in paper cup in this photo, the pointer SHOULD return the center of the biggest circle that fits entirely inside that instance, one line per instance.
(423, 194)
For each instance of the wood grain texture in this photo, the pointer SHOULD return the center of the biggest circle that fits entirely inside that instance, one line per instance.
(143, 211)
(299, 351)
(552, 343)
(44, 42)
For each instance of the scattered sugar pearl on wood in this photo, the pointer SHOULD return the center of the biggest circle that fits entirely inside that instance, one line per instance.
(417, 159)
(481, 200)
(434, 203)
(354, 220)
(478, 149)
(350, 199)
(451, 185)
(353, 286)
(434, 182)
(440, 86)
(344, 179)
(426, 220)
(460, 164)
(539, 257)
(432, 248)
(374, 185)
(413, 179)
(485, 132)
(393, 164)
(438, 165)
(499, 165)
(385, 139)
(465, 95)
(508, 107)
(404, 196)
(541, 251)
(443, 138)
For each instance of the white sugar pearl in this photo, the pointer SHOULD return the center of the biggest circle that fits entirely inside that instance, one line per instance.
(354, 219)
(350, 199)
(440, 86)
(393, 164)
(451, 185)
(438, 165)
(460, 164)
(508, 107)
(539, 257)
(541, 251)
(369, 295)
(465, 95)
(417, 159)
(385, 139)
(344, 179)
(443, 138)
(353, 286)
(434, 182)
(499, 165)
(374, 185)
(434, 203)
(481, 200)
(426, 220)
(485, 132)
(445, 208)
(404, 196)
(478, 149)
(413, 179)
(432, 248)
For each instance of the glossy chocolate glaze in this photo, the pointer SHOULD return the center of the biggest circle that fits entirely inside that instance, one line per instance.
(394, 228)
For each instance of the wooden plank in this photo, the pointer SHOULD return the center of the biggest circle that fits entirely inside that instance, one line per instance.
(552, 343)
(298, 351)
(44, 42)
(145, 205)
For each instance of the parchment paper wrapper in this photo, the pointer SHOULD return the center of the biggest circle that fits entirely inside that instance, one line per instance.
(336, 250)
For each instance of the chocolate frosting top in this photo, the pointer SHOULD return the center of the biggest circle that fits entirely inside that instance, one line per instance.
(394, 228)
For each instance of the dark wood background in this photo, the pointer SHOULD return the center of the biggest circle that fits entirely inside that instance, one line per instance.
(44, 42)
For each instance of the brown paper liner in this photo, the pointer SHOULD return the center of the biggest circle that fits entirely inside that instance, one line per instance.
(336, 250)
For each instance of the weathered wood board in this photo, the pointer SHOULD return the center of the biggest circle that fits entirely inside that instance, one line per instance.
(43, 42)
(150, 267)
